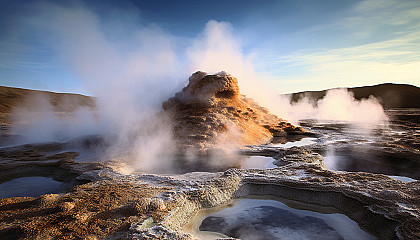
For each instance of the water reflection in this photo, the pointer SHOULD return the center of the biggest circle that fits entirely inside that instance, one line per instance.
(258, 162)
(270, 219)
(391, 148)
(300, 143)
(30, 187)
(403, 179)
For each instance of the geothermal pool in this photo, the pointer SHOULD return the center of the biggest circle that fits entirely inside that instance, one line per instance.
(390, 148)
(258, 162)
(267, 162)
(274, 219)
(30, 187)
(303, 142)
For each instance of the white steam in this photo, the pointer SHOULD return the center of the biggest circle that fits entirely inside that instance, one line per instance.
(216, 49)
(132, 75)
(341, 105)
(130, 78)
(337, 105)
(361, 117)
(36, 120)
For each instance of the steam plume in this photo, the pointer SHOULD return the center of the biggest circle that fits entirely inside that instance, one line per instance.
(337, 105)
(132, 76)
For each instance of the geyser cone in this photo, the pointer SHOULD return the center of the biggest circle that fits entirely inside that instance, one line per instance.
(210, 114)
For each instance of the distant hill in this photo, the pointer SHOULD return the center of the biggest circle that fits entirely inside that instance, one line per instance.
(11, 98)
(389, 94)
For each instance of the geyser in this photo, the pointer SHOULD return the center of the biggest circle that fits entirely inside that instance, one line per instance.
(210, 115)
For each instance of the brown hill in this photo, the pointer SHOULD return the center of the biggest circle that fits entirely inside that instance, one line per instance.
(11, 98)
(390, 95)
(210, 113)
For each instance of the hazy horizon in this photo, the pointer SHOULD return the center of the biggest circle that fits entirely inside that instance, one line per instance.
(76, 93)
(287, 46)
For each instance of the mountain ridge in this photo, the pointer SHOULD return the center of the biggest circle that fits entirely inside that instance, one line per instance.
(390, 95)
(12, 97)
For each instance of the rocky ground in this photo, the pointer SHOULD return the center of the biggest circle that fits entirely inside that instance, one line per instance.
(146, 206)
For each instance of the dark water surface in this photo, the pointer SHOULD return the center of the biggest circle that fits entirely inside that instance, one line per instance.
(391, 148)
(257, 219)
(30, 187)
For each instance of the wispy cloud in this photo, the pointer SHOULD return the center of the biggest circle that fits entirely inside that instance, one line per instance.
(392, 57)
(396, 60)
(372, 20)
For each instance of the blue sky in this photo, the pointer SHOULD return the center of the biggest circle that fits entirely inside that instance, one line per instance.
(294, 45)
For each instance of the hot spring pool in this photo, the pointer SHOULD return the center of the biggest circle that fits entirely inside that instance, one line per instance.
(261, 219)
(258, 162)
(303, 142)
(30, 187)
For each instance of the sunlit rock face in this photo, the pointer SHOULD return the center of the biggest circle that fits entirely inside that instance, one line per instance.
(204, 87)
(211, 114)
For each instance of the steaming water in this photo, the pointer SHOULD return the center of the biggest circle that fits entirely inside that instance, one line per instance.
(267, 162)
(258, 162)
(30, 187)
(86, 155)
(270, 219)
(391, 148)
(344, 147)
(300, 143)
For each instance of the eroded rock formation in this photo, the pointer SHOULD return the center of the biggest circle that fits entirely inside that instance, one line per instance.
(210, 113)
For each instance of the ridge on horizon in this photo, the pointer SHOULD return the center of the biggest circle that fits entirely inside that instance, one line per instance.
(46, 91)
(12, 97)
(390, 95)
(299, 92)
(364, 86)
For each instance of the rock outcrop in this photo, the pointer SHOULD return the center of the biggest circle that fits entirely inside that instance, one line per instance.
(211, 114)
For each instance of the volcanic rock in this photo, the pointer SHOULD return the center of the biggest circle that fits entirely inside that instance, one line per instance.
(210, 113)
